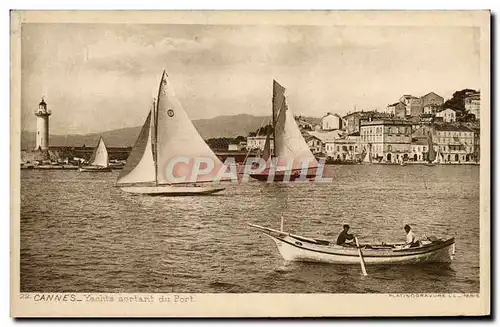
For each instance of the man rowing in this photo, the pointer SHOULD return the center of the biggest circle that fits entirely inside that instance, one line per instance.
(411, 239)
(344, 238)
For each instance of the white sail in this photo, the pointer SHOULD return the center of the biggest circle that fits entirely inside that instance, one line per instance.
(100, 155)
(368, 155)
(438, 157)
(177, 139)
(140, 167)
(289, 142)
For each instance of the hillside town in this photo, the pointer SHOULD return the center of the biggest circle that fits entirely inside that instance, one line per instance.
(402, 132)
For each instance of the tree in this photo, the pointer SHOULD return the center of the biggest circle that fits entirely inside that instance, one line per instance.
(457, 102)
(266, 130)
(239, 139)
(467, 118)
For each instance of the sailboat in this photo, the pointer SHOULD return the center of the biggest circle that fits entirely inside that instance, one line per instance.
(431, 157)
(368, 155)
(292, 155)
(99, 161)
(162, 161)
(438, 157)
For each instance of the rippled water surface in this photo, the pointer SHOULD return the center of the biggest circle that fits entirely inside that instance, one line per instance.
(80, 234)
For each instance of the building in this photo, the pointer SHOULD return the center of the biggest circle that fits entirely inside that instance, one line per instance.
(258, 142)
(455, 142)
(304, 124)
(419, 149)
(315, 144)
(420, 143)
(472, 103)
(414, 105)
(352, 120)
(397, 109)
(233, 147)
(431, 109)
(432, 99)
(42, 126)
(388, 140)
(342, 149)
(319, 140)
(477, 143)
(331, 122)
(449, 115)
(327, 136)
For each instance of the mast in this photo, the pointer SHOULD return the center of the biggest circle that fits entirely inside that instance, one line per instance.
(273, 123)
(155, 139)
(155, 129)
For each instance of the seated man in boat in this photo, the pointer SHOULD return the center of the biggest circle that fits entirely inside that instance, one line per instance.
(411, 239)
(345, 238)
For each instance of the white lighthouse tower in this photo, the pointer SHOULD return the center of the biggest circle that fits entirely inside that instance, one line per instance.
(42, 126)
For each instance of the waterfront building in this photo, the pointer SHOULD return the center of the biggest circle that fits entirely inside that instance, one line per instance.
(315, 144)
(258, 142)
(449, 115)
(472, 103)
(343, 148)
(327, 140)
(42, 126)
(352, 120)
(419, 149)
(420, 142)
(388, 140)
(477, 143)
(455, 142)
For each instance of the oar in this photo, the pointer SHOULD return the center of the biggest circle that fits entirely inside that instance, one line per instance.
(361, 260)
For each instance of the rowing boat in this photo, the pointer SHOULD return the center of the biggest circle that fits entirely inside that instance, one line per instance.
(298, 248)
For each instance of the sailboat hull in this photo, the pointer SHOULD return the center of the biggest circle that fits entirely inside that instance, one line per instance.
(169, 190)
(95, 169)
(281, 176)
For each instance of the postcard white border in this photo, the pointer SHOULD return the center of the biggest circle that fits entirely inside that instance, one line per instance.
(256, 304)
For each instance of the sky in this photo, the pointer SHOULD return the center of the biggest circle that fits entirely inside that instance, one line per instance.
(99, 77)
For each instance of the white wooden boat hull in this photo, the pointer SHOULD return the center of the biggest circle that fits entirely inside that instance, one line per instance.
(94, 169)
(169, 190)
(298, 248)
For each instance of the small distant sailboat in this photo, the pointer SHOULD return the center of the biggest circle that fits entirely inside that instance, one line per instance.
(99, 161)
(368, 155)
(167, 135)
(292, 155)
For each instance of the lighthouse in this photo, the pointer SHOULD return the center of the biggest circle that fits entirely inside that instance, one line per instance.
(42, 126)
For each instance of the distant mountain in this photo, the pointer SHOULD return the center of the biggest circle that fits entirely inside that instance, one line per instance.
(221, 126)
